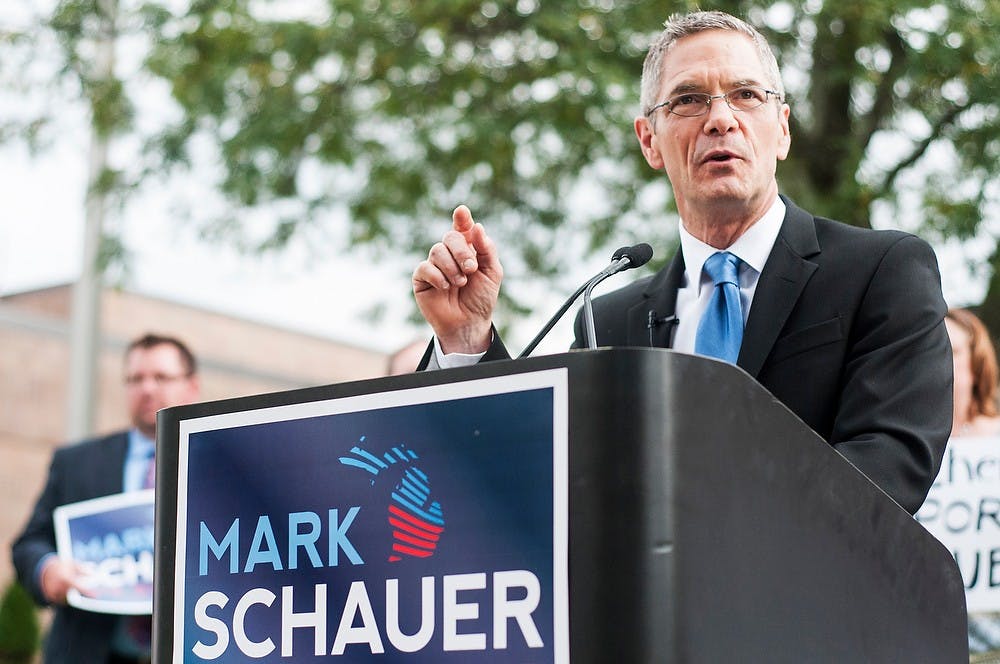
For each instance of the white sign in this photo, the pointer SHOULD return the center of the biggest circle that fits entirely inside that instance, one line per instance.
(111, 538)
(963, 511)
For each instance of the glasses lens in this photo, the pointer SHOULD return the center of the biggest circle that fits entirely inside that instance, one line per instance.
(745, 99)
(689, 105)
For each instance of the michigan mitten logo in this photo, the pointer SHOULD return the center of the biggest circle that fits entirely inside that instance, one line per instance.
(417, 521)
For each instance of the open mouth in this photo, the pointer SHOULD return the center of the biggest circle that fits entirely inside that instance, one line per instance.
(719, 157)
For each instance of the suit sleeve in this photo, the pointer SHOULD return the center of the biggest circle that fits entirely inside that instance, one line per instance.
(895, 413)
(496, 351)
(38, 539)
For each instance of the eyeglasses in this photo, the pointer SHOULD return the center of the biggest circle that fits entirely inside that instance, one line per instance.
(158, 379)
(693, 104)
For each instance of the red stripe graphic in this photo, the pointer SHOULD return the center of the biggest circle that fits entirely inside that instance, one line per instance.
(396, 546)
(402, 525)
(403, 537)
(420, 523)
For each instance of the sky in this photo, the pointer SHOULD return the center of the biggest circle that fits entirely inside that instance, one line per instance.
(41, 242)
(324, 292)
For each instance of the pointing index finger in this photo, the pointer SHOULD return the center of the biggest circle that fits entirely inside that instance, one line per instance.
(461, 220)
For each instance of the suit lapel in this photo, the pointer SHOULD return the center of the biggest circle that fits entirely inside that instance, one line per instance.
(782, 280)
(661, 299)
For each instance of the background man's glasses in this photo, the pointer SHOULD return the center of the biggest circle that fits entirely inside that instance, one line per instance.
(158, 379)
(693, 104)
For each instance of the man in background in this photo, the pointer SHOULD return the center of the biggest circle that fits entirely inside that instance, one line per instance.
(160, 372)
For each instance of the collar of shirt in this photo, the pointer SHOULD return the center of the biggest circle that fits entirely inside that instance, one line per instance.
(140, 451)
(139, 445)
(753, 247)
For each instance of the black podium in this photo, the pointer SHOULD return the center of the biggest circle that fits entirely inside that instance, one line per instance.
(701, 522)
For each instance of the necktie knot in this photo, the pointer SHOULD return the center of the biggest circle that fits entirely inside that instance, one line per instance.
(722, 267)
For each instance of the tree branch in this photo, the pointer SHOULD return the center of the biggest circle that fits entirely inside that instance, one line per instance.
(884, 97)
(920, 148)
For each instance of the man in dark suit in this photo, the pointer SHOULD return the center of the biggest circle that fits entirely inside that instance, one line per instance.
(160, 372)
(843, 325)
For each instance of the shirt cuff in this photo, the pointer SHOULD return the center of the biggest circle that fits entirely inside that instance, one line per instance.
(440, 360)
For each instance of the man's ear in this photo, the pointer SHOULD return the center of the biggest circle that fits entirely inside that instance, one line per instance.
(785, 140)
(644, 132)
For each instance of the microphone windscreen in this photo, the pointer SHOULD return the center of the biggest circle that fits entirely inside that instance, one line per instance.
(620, 252)
(639, 254)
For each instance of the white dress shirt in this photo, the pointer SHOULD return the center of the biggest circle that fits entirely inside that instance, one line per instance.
(753, 248)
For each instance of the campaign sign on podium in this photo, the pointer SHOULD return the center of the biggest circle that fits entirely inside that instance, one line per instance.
(424, 525)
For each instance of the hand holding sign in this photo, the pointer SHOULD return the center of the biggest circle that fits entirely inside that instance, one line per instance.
(58, 577)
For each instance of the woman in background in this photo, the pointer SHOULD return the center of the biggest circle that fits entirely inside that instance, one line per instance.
(975, 376)
(975, 416)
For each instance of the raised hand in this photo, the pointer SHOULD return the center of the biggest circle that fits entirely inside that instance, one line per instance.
(457, 287)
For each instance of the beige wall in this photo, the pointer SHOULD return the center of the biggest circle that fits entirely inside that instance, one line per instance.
(237, 358)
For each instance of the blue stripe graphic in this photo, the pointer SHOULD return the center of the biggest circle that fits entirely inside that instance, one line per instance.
(415, 490)
(348, 461)
(422, 486)
(416, 510)
(409, 494)
(370, 457)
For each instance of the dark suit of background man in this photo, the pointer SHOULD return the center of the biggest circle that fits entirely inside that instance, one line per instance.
(843, 325)
(159, 372)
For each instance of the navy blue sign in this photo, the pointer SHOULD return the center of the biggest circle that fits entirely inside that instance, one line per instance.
(428, 531)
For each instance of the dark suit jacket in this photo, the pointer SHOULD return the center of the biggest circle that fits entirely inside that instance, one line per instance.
(90, 469)
(846, 329)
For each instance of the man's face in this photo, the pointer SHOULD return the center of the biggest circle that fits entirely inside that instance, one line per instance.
(156, 378)
(723, 157)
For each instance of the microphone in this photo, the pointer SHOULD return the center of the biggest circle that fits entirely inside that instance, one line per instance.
(631, 257)
(653, 321)
(624, 258)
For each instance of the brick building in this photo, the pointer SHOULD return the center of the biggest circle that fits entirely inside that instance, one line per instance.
(236, 357)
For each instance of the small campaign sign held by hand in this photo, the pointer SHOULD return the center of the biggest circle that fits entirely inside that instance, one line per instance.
(111, 540)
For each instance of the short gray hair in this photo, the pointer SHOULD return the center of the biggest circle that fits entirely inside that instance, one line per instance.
(683, 25)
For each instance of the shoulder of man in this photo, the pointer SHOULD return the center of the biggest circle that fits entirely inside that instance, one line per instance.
(837, 238)
(832, 234)
(90, 445)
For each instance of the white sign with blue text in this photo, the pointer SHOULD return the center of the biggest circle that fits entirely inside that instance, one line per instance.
(963, 511)
(111, 539)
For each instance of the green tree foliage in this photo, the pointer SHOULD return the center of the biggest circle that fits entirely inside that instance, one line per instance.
(396, 110)
(19, 628)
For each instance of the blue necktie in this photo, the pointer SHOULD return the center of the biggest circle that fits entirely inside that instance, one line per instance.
(720, 331)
